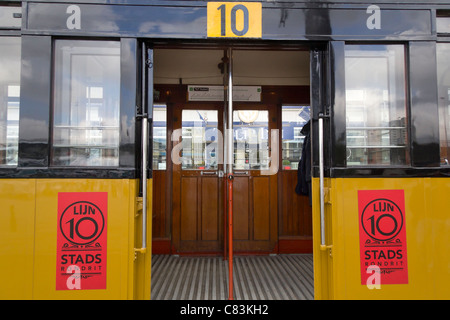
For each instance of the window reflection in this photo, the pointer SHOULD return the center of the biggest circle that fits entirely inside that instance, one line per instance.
(375, 105)
(251, 143)
(443, 72)
(87, 99)
(200, 140)
(293, 119)
(10, 53)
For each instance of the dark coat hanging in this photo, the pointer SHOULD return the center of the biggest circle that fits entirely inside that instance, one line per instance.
(303, 186)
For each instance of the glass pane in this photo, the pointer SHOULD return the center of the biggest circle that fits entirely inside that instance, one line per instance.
(375, 105)
(443, 66)
(10, 17)
(251, 143)
(10, 53)
(443, 24)
(159, 137)
(200, 138)
(87, 99)
(293, 119)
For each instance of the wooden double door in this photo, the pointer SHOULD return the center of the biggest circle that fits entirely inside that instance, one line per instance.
(199, 183)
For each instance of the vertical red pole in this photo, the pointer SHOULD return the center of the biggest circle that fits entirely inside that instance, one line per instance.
(230, 236)
(225, 215)
(229, 163)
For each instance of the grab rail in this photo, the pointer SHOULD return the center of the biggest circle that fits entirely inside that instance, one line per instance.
(321, 183)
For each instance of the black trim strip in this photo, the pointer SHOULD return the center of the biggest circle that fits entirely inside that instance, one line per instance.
(68, 173)
(388, 172)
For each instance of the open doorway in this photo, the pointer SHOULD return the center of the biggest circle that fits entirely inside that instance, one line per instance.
(188, 196)
(271, 217)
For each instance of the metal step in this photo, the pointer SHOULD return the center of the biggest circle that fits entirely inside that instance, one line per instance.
(274, 277)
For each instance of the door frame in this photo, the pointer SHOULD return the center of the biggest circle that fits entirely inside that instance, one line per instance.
(177, 94)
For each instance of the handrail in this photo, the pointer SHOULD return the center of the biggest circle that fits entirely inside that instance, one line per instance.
(144, 181)
(321, 183)
(144, 151)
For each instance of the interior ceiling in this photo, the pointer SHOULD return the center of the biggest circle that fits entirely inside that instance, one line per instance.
(250, 67)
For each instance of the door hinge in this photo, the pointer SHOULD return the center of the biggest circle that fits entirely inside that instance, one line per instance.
(139, 206)
(327, 195)
(329, 248)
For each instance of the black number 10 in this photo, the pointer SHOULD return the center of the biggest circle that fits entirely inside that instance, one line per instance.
(234, 11)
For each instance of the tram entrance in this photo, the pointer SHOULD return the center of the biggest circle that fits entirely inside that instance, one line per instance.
(271, 105)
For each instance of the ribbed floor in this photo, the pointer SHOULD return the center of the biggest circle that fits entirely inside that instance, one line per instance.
(279, 277)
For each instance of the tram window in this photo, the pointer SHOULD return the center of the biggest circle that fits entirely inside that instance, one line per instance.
(293, 119)
(10, 17)
(443, 72)
(86, 105)
(159, 137)
(199, 140)
(251, 132)
(10, 53)
(375, 105)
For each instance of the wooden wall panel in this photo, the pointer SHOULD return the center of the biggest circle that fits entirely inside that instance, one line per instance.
(261, 208)
(296, 213)
(189, 208)
(159, 223)
(241, 208)
(210, 208)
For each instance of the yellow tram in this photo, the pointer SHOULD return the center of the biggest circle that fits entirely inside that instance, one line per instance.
(135, 128)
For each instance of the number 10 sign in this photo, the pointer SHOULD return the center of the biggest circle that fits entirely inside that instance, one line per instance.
(234, 19)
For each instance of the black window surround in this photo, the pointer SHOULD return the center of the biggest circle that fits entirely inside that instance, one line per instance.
(422, 114)
(36, 99)
(36, 114)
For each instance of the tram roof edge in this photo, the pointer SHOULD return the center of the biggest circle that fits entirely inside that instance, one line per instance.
(269, 2)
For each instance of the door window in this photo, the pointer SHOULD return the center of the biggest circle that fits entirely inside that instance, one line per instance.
(200, 136)
(293, 120)
(159, 136)
(251, 143)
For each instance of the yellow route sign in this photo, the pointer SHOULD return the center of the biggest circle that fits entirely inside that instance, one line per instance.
(234, 19)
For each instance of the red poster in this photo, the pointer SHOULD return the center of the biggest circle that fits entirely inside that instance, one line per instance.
(382, 236)
(81, 240)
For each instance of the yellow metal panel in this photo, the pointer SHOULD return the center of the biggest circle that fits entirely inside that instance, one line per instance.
(427, 222)
(28, 239)
(438, 214)
(16, 238)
